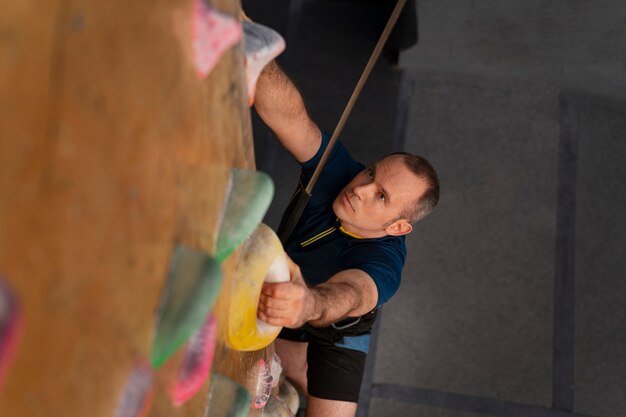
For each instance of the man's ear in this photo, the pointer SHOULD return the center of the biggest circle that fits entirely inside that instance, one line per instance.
(399, 228)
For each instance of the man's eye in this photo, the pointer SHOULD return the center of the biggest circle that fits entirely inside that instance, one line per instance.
(370, 173)
(381, 196)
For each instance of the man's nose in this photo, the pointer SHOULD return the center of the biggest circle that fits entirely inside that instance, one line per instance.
(362, 190)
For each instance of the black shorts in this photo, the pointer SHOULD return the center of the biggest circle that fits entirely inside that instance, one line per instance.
(334, 372)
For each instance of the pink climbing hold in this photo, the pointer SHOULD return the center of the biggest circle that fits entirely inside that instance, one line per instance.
(262, 46)
(196, 364)
(10, 328)
(213, 33)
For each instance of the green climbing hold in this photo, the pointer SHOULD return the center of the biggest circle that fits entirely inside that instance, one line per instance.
(193, 284)
(249, 196)
(227, 398)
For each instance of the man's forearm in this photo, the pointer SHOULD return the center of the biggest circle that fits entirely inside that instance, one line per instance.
(333, 303)
(277, 98)
(350, 293)
(279, 103)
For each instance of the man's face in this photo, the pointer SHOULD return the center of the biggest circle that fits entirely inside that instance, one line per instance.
(372, 202)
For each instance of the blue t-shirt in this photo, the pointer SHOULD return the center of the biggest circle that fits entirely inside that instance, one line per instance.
(322, 249)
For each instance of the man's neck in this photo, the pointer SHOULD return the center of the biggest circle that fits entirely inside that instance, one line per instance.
(360, 233)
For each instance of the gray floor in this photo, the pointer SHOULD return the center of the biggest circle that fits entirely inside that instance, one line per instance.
(512, 302)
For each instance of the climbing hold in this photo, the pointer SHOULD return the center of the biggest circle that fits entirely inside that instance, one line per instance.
(227, 398)
(249, 195)
(193, 283)
(137, 395)
(288, 394)
(197, 362)
(276, 368)
(10, 328)
(260, 382)
(276, 408)
(213, 33)
(262, 46)
(262, 259)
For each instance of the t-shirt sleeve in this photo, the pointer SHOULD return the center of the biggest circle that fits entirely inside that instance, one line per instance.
(384, 264)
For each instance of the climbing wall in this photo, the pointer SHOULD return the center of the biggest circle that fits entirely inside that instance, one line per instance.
(114, 148)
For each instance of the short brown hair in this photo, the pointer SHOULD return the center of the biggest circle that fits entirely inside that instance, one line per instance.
(427, 201)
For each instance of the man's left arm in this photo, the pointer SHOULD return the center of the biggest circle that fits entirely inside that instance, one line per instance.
(349, 293)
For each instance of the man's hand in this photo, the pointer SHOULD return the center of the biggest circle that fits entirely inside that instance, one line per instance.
(289, 304)
(349, 293)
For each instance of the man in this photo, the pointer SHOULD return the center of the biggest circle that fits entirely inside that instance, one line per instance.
(348, 250)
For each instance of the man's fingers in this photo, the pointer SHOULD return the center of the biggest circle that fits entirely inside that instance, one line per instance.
(274, 317)
(274, 312)
(273, 290)
(281, 304)
(267, 319)
(294, 270)
(277, 321)
(284, 290)
(266, 302)
(274, 321)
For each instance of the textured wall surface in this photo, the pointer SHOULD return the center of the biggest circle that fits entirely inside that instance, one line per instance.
(112, 150)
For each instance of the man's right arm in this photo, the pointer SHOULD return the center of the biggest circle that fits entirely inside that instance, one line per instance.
(280, 105)
(349, 293)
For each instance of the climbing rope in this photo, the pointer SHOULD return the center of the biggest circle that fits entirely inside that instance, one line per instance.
(301, 197)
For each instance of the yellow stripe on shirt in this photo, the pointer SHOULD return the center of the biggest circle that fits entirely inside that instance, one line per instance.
(318, 236)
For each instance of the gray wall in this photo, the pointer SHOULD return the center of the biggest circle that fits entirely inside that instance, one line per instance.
(513, 298)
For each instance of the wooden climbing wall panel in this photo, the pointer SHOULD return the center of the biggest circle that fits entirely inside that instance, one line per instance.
(112, 150)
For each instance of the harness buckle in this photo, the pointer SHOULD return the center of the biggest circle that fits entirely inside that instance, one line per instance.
(345, 326)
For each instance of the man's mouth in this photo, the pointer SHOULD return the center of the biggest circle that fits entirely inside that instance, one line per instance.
(347, 201)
